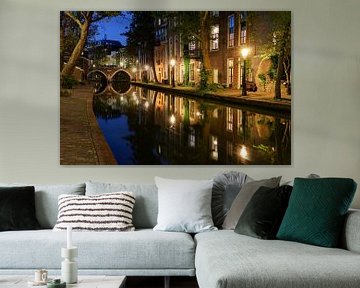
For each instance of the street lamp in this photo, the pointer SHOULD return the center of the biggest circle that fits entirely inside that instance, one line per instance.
(244, 53)
(134, 72)
(146, 69)
(172, 64)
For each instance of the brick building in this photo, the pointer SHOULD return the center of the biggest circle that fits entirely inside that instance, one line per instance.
(230, 31)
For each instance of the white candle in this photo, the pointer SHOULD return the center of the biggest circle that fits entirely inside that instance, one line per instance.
(69, 239)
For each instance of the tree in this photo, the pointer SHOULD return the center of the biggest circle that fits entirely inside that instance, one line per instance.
(277, 48)
(193, 27)
(141, 35)
(83, 20)
(283, 45)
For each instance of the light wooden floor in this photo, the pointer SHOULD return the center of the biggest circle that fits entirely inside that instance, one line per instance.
(158, 282)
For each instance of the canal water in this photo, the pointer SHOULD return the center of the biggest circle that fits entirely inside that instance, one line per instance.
(144, 126)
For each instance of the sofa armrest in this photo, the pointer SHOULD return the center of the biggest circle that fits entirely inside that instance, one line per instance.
(351, 234)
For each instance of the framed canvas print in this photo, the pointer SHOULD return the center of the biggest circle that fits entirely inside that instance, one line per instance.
(175, 87)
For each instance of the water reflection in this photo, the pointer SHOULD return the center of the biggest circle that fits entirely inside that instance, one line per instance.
(119, 83)
(144, 126)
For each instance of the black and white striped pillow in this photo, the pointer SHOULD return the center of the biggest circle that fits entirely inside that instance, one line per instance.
(105, 212)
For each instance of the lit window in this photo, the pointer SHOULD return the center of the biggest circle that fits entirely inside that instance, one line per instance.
(214, 148)
(231, 30)
(192, 72)
(230, 72)
(214, 37)
(192, 137)
(229, 119)
(243, 33)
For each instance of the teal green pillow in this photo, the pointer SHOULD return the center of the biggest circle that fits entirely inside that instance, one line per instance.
(316, 211)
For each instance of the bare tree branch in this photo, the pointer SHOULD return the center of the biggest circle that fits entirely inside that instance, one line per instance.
(72, 17)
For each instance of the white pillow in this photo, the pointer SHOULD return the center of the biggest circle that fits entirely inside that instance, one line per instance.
(184, 205)
(104, 212)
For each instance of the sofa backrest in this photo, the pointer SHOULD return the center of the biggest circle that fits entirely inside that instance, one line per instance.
(46, 200)
(146, 203)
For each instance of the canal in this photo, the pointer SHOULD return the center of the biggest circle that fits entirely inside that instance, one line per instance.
(144, 126)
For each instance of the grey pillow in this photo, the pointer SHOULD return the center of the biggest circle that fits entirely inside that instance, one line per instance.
(184, 205)
(242, 199)
(46, 200)
(226, 187)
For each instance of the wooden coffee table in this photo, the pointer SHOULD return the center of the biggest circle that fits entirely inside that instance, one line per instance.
(84, 281)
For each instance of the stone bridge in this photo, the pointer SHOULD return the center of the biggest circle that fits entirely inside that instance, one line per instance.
(110, 72)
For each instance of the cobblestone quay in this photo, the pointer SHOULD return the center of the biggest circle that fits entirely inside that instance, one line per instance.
(81, 139)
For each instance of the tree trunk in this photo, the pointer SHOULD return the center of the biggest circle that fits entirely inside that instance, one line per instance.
(153, 65)
(75, 55)
(205, 44)
(279, 73)
(280, 68)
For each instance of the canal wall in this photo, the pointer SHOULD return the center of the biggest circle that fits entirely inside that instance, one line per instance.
(263, 102)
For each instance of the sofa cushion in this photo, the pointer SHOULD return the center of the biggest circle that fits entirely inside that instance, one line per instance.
(225, 259)
(46, 200)
(105, 212)
(243, 198)
(17, 208)
(317, 209)
(225, 189)
(146, 205)
(134, 251)
(263, 215)
(184, 205)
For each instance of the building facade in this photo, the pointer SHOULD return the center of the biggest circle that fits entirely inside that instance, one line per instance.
(229, 33)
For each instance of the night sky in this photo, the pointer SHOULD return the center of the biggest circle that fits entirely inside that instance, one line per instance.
(113, 28)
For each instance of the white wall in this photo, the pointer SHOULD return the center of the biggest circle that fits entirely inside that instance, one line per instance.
(326, 88)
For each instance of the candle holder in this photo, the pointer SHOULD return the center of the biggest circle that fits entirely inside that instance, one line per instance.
(69, 265)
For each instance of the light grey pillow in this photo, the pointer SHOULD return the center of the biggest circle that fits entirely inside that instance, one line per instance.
(184, 205)
(243, 198)
(46, 200)
(226, 187)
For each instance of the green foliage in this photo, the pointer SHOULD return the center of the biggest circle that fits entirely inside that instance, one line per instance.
(263, 148)
(263, 81)
(68, 82)
(186, 70)
(262, 78)
(204, 76)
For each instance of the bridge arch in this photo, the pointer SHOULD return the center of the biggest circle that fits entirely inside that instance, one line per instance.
(120, 70)
(99, 71)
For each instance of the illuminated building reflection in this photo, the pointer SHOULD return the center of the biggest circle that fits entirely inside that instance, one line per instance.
(143, 126)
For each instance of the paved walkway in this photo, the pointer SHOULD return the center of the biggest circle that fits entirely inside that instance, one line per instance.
(81, 140)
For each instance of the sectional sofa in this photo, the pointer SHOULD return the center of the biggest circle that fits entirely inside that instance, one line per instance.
(218, 259)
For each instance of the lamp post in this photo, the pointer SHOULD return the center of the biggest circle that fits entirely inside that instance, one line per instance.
(172, 64)
(134, 72)
(244, 53)
(146, 69)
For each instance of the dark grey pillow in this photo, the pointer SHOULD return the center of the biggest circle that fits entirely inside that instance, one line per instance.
(17, 209)
(225, 189)
(263, 214)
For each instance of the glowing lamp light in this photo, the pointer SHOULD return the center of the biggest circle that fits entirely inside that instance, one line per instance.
(172, 62)
(146, 67)
(133, 69)
(243, 152)
(245, 52)
(172, 119)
